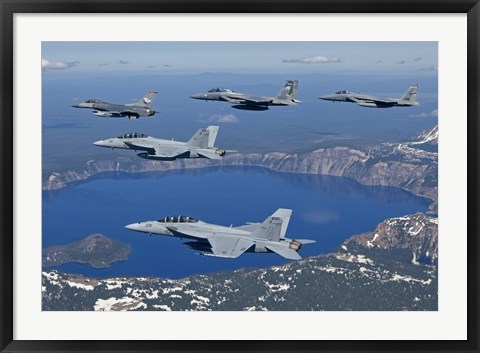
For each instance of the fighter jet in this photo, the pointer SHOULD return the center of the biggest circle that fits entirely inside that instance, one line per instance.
(112, 110)
(230, 242)
(286, 96)
(199, 146)
(407, 100)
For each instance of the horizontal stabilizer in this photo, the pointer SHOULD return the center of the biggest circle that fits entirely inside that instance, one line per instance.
(305, 241)
(284, 251)
(209, 154)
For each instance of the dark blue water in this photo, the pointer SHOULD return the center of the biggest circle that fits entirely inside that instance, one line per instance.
(326, 209)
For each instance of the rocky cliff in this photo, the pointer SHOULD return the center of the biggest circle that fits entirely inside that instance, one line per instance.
(402, 165)
(418, 234)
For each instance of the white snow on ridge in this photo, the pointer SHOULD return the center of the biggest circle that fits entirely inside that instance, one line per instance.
(52, 277)
(168, 290)
(114, 304)
(80, 285)
(162, 307)
(427, 137)
(361, 259)
(277, 287)
(112, 284)
(396, 277)
(370, 242)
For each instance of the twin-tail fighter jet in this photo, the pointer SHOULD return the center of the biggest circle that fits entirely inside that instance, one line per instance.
(112, 110)
(243, 101)
(364, 100)
(201, 145)
(229, 242)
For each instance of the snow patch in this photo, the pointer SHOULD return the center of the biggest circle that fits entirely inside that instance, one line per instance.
(80, 285)
(162, 307)
(396, 277)
(122, 304)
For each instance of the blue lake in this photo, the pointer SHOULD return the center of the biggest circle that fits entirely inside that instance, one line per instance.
(326, 209)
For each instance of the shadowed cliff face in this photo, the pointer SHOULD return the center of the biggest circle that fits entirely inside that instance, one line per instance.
(400, 165)
(416, 233)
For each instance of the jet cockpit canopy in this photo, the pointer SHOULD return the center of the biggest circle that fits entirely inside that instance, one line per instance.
(92, 100)
(131, 135)
(177, 219)
(343, 92)
(220, 89)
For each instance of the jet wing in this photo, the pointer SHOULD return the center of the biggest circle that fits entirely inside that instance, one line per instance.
(233, 100)
(252, 100)
(133, 146)
(170, 151)
(283, 251)
(229, 246)
(369, 100)
(179, 232)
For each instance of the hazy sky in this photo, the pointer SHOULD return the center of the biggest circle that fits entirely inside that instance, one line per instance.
(241, 57)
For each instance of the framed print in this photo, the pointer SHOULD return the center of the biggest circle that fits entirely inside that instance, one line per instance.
(241, 176)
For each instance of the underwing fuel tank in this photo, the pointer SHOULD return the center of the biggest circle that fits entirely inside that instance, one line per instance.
(368, 105)
(250, 107)
(146, 155)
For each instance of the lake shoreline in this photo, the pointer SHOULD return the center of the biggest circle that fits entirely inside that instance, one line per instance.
(338, 161)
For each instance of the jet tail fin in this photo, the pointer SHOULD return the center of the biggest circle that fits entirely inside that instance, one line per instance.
(411, 94)
(289, 91)
(204, 138)
(274, 227)
(212, 136)
(147, 100)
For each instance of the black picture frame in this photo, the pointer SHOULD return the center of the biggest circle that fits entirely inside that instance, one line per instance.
(10, 7)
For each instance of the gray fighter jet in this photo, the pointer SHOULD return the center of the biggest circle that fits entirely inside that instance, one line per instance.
(199, 146)
(407, 100)
(111, 110)
(230, 242)
(287, 96)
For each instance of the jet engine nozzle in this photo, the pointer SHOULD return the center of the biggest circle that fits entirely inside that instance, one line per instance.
(295, 245)
(220, 152)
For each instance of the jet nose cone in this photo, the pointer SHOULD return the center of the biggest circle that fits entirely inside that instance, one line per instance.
(75, 106)
(327, 97)
(99, 143)
(198, 96)
(134, 226)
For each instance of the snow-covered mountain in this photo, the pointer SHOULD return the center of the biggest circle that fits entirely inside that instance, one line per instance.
(426, 140)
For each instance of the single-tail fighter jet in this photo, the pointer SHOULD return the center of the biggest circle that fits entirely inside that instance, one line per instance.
(111, 110)
(364, 100)
(243, 101)
(201, 145)
(230, 242)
